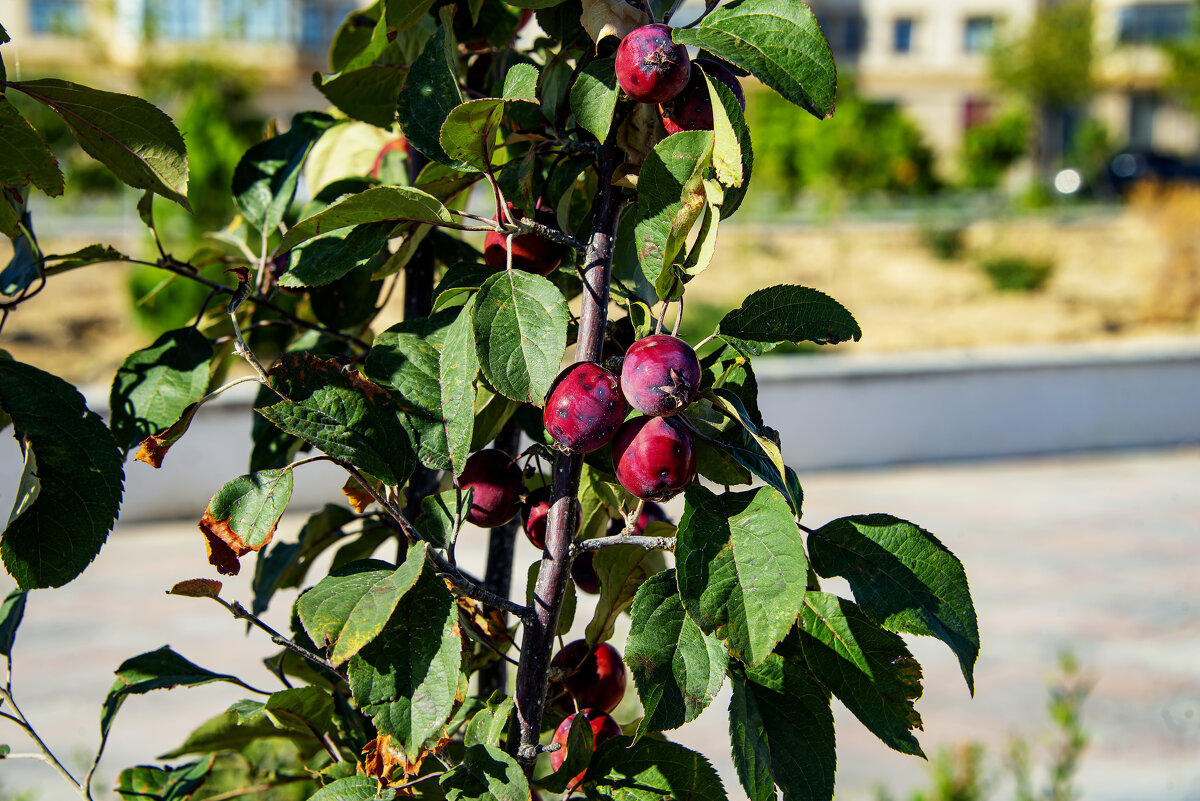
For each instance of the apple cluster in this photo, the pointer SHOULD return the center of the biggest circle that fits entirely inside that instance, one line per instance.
(652, 455)
(593, 677)
(652, 68)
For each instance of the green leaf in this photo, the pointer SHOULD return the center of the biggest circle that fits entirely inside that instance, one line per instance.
(342, 414)
(24, 157)
(787, 314)
(11, 613)
(677, 668)
(300, 709)
(781, 728)
(732, 145)
(777, 41)
(485, 774)
(622, 569)
(264, 181)
(729, 369)
(154, 385)
(741, 568)
(156, 670)
(429, 96)
(408, 679)
(325, 608)
(653, 770)
(354, 788)
(375, 607)
(368, 93)
(670, 176)
(404, 14)
(79, 468)
(903, 578)
(163, 784)
(331, 256)
(469, 136)
(488, 725)
(594, 97)
(520, 82)
(520, 323)
(224, 733)
(137, 141)
(85, 256)
(870, 670)
(458, 365)
(242, 516)
(377, 204)
(436, 521)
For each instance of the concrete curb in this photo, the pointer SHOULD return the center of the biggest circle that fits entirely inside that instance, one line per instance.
(831, 412)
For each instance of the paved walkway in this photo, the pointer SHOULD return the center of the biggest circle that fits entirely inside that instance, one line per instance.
(1097, 554)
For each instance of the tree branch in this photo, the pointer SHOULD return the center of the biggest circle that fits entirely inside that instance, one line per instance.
(538, 639)
(649, 543)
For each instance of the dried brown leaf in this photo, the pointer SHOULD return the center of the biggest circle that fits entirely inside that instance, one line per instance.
(196, 588)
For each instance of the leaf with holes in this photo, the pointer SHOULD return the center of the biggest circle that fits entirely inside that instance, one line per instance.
(903, 578)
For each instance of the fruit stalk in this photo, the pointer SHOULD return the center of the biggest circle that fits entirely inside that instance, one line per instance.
(538, 638)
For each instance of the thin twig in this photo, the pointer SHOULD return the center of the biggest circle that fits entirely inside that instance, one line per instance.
(649, 543)
(242, 613)
(19, 718)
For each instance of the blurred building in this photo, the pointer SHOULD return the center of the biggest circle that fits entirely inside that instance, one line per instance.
(282, 41)
(931, 59)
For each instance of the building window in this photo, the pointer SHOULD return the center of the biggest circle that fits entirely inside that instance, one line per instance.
(978, 34)
(854, 34)
(319, 20)
(255, 20)
(1142, 108)
(172, 20)
(902, 35)
(1154, 22)
(56, 17)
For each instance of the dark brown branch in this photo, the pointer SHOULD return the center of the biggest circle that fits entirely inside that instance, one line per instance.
(555, 568)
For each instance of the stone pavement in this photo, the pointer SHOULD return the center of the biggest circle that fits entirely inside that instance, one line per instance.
(1099, 554)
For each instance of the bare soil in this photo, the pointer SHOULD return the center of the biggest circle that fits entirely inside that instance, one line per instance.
(1133, 272)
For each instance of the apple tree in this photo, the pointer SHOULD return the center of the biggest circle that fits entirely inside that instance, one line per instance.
(543, 209)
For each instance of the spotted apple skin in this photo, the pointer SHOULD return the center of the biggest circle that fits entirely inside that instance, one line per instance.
(651, 68)
(497, 485)
(691, 109)
(654, 457)
(596, 677)
(660, 375)
(535, 513)
(584, 408)
(603, 727)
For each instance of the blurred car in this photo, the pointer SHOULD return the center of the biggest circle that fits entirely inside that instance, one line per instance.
(1130, 167)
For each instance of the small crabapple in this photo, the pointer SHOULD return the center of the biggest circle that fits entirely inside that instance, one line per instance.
(497, 484)
(654, 457)
(603, 727)
(595, 676)
(651, 68)
(535, 513)
(691, 109)
(584, 407)
(660, 375)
